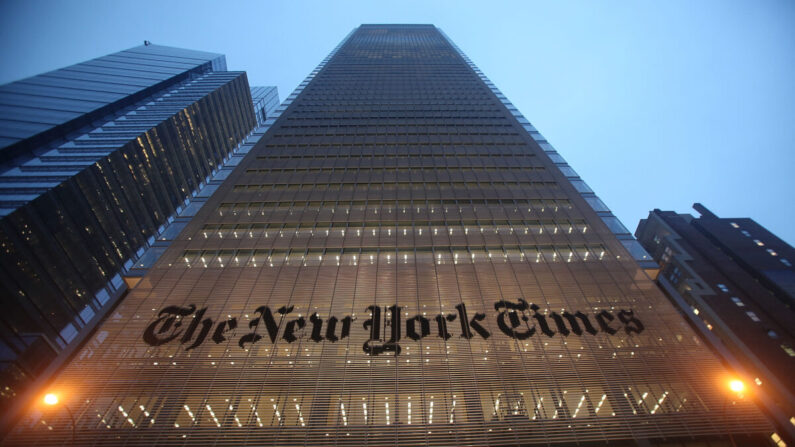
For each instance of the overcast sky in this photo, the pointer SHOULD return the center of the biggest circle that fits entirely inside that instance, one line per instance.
(655, 104)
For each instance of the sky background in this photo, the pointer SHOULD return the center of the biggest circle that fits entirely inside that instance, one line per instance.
(655, 104)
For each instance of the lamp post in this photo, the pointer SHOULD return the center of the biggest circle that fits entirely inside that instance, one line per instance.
(737, 387)
(51, 399)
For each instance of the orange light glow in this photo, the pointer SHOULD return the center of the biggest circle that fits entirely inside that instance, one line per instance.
(50, 399)
(737, 386)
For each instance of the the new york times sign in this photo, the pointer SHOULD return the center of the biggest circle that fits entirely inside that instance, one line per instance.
(518, 320)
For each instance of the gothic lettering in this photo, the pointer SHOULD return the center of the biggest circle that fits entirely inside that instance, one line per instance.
(631, 324)
(542, 321)
(513, 319)
(224, 326)
(575, 326)
(512, 312)
(601, 317)
(467, 324)
(441, 323)
(206, 324)
(167, 320)
(411, 329)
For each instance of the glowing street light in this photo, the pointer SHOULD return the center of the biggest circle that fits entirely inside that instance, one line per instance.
(51, 399)
(737, 386)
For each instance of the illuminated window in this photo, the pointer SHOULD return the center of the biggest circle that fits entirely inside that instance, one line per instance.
(737, 301)
(788, 349)
(772, 252)
(735, 225)
(785, 262)
(723, 287)
(759, 243)
(753, 316)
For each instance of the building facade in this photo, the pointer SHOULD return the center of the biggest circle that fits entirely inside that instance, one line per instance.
(97, 160)
(733, 280)
(400, 258)
(266, 100)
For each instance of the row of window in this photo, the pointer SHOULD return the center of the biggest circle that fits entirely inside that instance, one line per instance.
(406, 170)
(387, 186)
(751, 314)
(386, 124)
(770, 251)
(320, 229)
(354, 108)
(393, 133)
(298, 119)
(398, 206)
(394, 155)
(370, 256)
(358, 409)
(271, 146)
(442, 110)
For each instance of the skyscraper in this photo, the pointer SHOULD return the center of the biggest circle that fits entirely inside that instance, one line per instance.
(97, 159)
(735, 282)
(400, 258)
(265, 100)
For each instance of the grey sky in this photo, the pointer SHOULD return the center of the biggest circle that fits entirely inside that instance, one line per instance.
(655, 104)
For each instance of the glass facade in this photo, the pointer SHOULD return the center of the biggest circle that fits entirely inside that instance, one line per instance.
(397, 260)
(265, 100)
(78, 212)
(38, 110)
(174, 226)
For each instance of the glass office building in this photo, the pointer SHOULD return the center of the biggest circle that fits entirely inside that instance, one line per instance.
(400, 258)
(96, 160)
(266, 100)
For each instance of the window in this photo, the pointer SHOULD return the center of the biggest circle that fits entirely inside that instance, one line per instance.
(785, 262)
(667, 254)
(723, 287)
(753, 316)
(777, 439)
(675, 275)
(759, 243)
(772, 334)
(772, 252)
(738, 302)
(788, 349)
(745, 233)
(596, 204)
(616, 226)
(735, 225)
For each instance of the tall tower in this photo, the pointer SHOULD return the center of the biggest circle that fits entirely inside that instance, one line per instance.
(400, 258)
(96, 160)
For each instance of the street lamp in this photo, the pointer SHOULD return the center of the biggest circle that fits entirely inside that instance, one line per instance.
(51, 399)
(737, 387)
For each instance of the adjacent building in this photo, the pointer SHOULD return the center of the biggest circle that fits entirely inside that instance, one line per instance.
(266, 100)
(399, 258)
(97, 159)
(735, 282)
